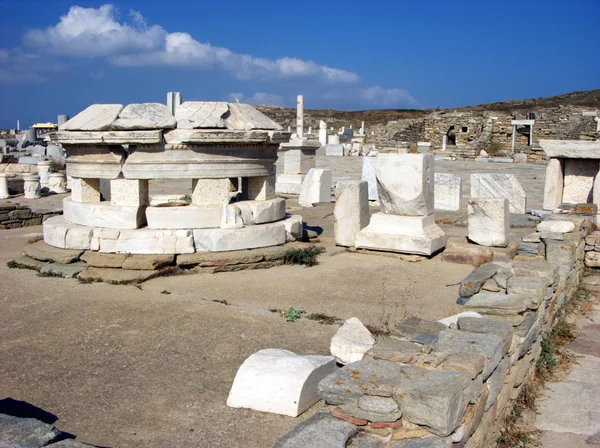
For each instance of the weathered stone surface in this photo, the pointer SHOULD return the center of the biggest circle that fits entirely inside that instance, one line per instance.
(221, 240)
(244, 117)
(474, 256)
(437, 400)
(29, 263)
(413, 433)
(414, 326)
(316, 187)
(498, 304)
(147, 262)
(535, 287)
(556, 226)
(104, 214)
(553, 187)
(43, 252)
(338, 413)
(529, 249)
(394, 350)
(579, 180)
(536, 269)
(471, 363)
(381, 405)
(405, 184)
(473, 283)
(489, 326)
(25, 432)
(561, 253)
(368, 175)
(377, 417)
(279, 381)
(201, 114)
(97, 117)
(487, 345)
(367, 440)
(207, 259)
(320, 431)
(65, 270)
(496, 185)
(110, 275)
(99, 260)
(496, 381)
(572, 149)
(351, 211)
(592, 259)
(70, 443)
(448, 191)
(351, 341)
(489, 222)
(184, 217)
(260, 212)
(354, 380)
(144, 116)
(475, 412)
(143, 241)
(426, 442)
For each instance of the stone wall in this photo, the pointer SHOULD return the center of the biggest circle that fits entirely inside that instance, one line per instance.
(453, 382)
(13, 216)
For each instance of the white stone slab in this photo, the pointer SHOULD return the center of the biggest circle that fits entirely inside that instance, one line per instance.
(279, 381)
(59, 233)
(351, 341)
(245, 117)
(447, 192)
(489, 222)
(368, 175)
(148, 241)
(144, 116)
(454, 318)
(184, 217)
(260, 212)
(405, 234)
(201, 114)
(97, 117)
(351, 211)
(168, 200)
(316, 187)
(107, 137)
(554, 184)
(405, 184)
(103, 214)
(293, 227)
(495, 185)
(571, 149)
(579, 180)
(289, 183)
(561, 226)
(334, 150)
(220, 240)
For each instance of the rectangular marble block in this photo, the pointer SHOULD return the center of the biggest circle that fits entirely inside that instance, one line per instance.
(296, 161)
(210, 191)
(579, 180)
(131, 192)
(103, 214)
(185, 217)
(405, 184)
(368, 175)
(148, 241)
(85, 190)
(289, 183)
(489, 222)
(553, 186)
(351, 211)
(261, 188)
(405, 234)
(447, 191)
(495, 185)
(221, 240)
(316, 187)
(334, 150)
(59, 233)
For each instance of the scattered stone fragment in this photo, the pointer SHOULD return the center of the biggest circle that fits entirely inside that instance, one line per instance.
(471, 363)
(453, 320)
(351, 341)
(437, 400)
(394, 350)
(64, 270)
(25, 432)
(320, 431)
(415, 326)
(279, 381)
(382, 405)
(44, 252)
(387, 417)
(556, 226)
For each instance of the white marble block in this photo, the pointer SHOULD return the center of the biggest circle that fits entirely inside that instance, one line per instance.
(315, 188)
(144, 241)
(494, 185)
(130, 192)
(31, 186)
(4, 194)
(210, 191)
(57, 183)
(405, 184)
(260, 212)
(279, 381)
(351, 341)
(405, 234)
(97, 117)
(104, 214)
(579, 180)
(184, 217)
(293, 227)
(334, 150)
(553, 187)
(296, 161)
(289, 183)
(85, 190)
(447, 191)
(351, 210)
(59, 233)
(489, 222)
(221, 240)
(261, 188)
(368, 175)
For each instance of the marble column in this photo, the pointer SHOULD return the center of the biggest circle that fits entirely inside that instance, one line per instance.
(4, 186)
(514, 138)
(322, 132)
(57, 183)
(31, 186)
(300, 117)
(43, 168)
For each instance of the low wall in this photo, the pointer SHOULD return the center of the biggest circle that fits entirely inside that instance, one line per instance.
(434, 385)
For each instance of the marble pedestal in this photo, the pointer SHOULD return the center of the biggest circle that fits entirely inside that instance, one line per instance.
(406, 234)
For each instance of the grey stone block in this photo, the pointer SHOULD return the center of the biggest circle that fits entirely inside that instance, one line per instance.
(64, 270)
(475, 280)
(415, 326)
(496, 381)
(25, 432)
(320, 431)
(429, 442)
(489, 326)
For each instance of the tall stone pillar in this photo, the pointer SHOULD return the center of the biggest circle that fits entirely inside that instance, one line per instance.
(173, 100)
(4, 186)
(444, 142)
(514, 138)
(322, 132)
(300, 117)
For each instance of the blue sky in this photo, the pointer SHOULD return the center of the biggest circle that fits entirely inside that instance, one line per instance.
(60, 56)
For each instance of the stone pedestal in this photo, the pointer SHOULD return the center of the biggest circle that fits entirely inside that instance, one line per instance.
(261, 188)
(57, 183)
(322, 133)
(43, 168)
(211, 191)
(368, 175)
(85, 190)
(351, 211)
(4, 186)
(298, 159)
(129, 192)
(489, 222)
(31, 186)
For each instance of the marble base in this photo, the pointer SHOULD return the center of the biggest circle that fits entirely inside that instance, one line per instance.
(104, 214)
(405, 234)
(184, 217)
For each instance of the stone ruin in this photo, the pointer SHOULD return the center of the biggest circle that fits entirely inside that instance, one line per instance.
(226, 150)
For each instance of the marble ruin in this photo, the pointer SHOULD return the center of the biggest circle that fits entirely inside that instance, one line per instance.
(226, 150)
(406, 222)
(351, 211)
(489, 221)
(494, 185)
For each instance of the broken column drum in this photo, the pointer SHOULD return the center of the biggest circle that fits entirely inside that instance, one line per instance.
(227, 151)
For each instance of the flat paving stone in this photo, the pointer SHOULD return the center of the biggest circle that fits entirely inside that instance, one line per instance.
(44, 252)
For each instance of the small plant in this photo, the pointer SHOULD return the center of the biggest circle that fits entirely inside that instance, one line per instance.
(494, 148)
(12, 264)
(222, 301)
(85, 281)
(187, 198)
(165, 292)
(293, 314)
(49, 274)
(306, 255)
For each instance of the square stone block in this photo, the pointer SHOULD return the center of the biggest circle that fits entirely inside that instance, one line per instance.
(131, 192)
(85, 190)
(220, 240)
(104, 214)
(495, 185)
(553, 186)
(289, 183)
(211, 191)
(296, 161)
(261, 188)
(351, 211)
(448, 191)
(489, 222)
(579, 180)
(405, 184)
(316, 187)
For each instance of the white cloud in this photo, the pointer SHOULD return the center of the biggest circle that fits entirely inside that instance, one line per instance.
(20, 67)
(381, 97)
(236, 96)
(270, 99)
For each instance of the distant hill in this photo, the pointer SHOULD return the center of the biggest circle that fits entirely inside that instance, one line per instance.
(589, 98)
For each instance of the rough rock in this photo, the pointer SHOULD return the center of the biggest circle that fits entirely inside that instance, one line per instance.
(44, 252)
(355, 411)
(353, 380)
(381, 405)
(144, 116)
(535, 287)
(488, 326)
(110, 275)
(320, 431)
(351, 341)
(471, 363)
(25, 432)
(489, 222)
(394, 350)
(437, 400)
(556, 226)
(414, 326)
(279, 381)
(496, 381)
(498, 304)
(97, 117)
(473, 283)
